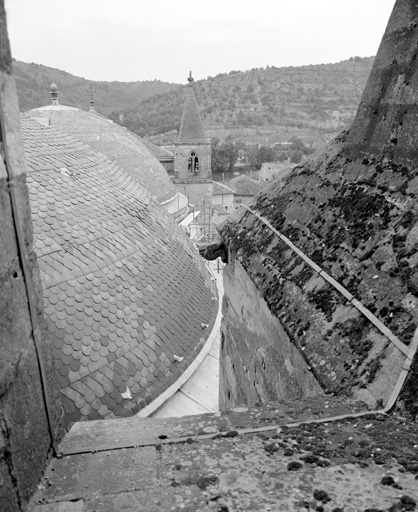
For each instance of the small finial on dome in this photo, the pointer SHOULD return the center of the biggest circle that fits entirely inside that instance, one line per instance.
(91, 98)
(53, 91)
(190, 79)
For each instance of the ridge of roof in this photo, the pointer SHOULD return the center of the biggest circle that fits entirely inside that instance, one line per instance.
(55, 107)
(156, 150)
(245, 185)
(221, 188)
(277, 165)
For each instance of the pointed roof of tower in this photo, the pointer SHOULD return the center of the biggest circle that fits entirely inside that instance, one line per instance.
(191, 127)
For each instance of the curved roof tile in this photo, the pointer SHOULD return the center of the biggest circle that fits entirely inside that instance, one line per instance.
(127, 150)
(160, 152)
(124, 290)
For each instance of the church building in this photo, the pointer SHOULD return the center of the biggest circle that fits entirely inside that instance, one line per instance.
(192, 152)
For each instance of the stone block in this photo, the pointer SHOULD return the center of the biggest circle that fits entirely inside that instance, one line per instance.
(88, 475)
(8, 246)
(25, 417)
(15, 324)
(8, 497)
(155, 499)
(258, 361)
(63, 506)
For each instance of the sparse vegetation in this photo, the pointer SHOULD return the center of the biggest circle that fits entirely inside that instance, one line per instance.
(111, 98)
(312, 102)
(315, 99)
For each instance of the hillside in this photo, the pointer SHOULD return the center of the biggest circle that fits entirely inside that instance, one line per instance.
(312, 102)
(33, 82)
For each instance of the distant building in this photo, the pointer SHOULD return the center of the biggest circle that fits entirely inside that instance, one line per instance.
(244, 189)
(192, 153)
(219, 214)
(223, 195)
(192, 226)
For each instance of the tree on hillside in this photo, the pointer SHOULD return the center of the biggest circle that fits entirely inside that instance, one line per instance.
(297, 144)
(224, 156)
(296, 156)
(251, 152)
(258, 155)
(297, 147)
(266, 154)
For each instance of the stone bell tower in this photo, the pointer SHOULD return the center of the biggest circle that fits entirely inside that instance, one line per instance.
(192, 151)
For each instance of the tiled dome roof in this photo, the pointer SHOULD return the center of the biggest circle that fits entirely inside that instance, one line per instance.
(124, 289)
(160, 152)
(117, 143)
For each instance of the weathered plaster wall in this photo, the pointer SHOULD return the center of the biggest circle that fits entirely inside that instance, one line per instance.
(24, 436)
(258, 360)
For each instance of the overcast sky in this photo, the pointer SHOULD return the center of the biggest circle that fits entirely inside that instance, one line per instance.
(132, 40)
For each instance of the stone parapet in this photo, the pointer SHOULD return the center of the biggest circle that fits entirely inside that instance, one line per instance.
(284, 455)
(30, 409)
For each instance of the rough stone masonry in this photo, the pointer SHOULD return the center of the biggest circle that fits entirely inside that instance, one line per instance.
(26, 433)
(352, 210)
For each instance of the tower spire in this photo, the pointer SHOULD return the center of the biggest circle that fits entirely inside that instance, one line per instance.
(191, 127)
(192, 152)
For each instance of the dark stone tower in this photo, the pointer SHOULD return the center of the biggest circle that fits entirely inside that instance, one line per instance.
(386, 121)
(192, 155)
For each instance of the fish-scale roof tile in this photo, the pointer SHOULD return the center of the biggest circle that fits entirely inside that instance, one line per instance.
(113, 306)
(122, 147)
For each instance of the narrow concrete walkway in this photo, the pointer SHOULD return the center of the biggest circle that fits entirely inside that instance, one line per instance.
(200, 394)
(242, 460)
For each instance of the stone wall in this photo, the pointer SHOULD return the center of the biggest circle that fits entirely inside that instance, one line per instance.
(346, 353)
(25, 437)
(352, 210)
(258, 361)
(385, 124)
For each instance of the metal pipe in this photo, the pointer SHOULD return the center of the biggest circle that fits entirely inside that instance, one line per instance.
(368, 314)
